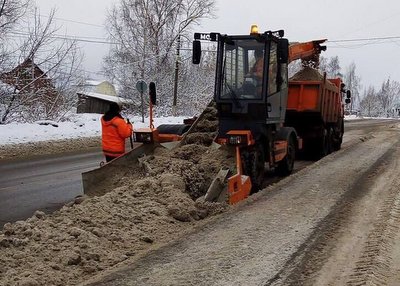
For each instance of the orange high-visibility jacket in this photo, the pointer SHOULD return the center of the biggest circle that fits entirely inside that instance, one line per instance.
(113, 136)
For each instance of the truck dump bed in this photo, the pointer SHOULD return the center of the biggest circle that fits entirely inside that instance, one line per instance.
(315, 110)
(309, 93)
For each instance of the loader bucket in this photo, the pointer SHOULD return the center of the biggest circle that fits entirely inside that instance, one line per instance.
(239, 187)
(93, 181)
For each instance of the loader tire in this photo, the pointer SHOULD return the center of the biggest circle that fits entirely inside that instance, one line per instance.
(285, 167)
(254, 167)
(258, 169)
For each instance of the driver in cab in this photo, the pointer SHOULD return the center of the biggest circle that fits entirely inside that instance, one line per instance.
(256, 72)
(257, 69)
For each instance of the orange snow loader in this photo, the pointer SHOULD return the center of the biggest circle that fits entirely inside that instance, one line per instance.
(263, 115)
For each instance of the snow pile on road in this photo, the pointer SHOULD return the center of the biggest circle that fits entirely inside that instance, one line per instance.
(142, 211)
(32, 149)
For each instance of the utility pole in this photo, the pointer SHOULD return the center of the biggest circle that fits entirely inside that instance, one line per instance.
(142, 72)
(176, 74)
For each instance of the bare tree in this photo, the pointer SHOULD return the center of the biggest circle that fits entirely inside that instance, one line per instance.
(352, 82)
(294, 67)
(369, 105)
(146, 33)
(11, 14)
(45, 68)
(331, 66)
(388, 96)
(11, 11)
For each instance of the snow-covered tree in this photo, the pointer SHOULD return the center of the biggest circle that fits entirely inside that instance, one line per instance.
(146, 33)
(352, 82)
(294, 67)
(384, 102)
(11, 14)
(331, 66)
(369, 105)
(388, 96)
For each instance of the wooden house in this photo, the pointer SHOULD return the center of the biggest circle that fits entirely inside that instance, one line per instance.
(92, 102)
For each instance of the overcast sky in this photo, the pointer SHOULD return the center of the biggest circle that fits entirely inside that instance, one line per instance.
(376, 60)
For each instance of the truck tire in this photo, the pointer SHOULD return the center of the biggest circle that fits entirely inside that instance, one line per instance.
(337, 140)
(285, 167)
(323, 144)
(330, 140)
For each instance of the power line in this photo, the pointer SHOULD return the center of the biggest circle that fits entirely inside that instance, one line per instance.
(362, 42)
(73, 21)
(67, 37)
(364, 39)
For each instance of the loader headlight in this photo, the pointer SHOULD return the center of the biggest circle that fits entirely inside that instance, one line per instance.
(237, 140)
(144, 137)
(240, 137)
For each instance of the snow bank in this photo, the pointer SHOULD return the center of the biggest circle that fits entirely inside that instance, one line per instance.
(82, 125)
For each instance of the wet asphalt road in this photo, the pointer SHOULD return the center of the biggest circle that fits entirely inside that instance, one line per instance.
(45, 183)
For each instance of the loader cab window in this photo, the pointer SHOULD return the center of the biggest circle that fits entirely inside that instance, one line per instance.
(242, 70)
(234, 67)
(273, 69)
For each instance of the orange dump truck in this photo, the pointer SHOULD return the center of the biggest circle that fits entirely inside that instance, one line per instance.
(315, 110)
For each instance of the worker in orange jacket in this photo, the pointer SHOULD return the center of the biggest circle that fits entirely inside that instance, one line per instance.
(114, 131)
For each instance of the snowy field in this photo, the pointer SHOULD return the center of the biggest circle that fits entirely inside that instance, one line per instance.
(84, 125)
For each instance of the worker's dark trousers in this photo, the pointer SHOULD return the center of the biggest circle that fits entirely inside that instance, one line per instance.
(109, 158)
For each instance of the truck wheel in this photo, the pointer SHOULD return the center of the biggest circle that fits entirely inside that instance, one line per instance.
(285, 167)
(337, 144)
(337, 140)
(330, 140)
(324, 145)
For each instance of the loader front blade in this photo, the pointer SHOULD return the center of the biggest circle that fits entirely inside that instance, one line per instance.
(239, 188)
(217, 190)
(93, 181)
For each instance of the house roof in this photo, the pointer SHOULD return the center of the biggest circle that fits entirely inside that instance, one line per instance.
(92, 82)
(110, 98)
(27, 74)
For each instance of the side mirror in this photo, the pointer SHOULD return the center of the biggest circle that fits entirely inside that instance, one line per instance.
(348, 100)
(283, 51)
(196, 56)
(348, 93)
(153, 93)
